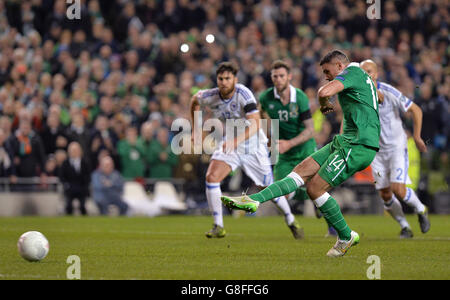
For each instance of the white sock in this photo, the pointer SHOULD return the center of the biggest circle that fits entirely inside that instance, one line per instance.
(297, 178)
(321, 200)
(394, 208)
(213, 193)
(283, 205)
(414, 202)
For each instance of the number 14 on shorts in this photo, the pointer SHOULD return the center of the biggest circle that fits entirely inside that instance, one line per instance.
(336, 163)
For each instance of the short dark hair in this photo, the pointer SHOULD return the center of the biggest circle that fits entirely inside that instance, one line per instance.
(332, 55)
(227, 67)
(278, 64)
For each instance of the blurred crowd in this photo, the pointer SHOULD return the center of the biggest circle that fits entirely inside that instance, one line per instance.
(114, 80)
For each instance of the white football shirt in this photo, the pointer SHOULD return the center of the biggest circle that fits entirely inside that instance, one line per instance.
(242, 102)
(392, 135)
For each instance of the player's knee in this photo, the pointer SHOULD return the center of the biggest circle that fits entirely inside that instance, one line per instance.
(399, 190)
(307, 169)
(212, 177)
(386, 194)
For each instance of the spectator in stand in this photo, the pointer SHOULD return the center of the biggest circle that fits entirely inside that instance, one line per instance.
(75, 175)
(78, 132)
(145, 141)
(132, 155)
(432, 109)
(107, 107)
(51, 168)
(160, 157)
(6, 163)
(53, 135)
(27, 150)
(102, 137)
(5, 125)
(107, 187)
(135, 111)
(60, 158)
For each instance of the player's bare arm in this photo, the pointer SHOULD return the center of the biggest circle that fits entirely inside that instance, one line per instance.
(305, 135)
(416, 114)
(380, 96)
(326, 92)
(194, 106)
(264, 115)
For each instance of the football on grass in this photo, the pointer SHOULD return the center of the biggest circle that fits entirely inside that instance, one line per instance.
(33, 246)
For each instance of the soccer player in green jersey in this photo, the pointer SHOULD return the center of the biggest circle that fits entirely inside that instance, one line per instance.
(346, 154)
(290, 106)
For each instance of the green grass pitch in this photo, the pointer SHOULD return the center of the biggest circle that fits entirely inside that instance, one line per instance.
(174, 247)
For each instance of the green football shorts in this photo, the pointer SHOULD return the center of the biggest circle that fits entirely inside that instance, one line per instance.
(284, 166)
(340, 160)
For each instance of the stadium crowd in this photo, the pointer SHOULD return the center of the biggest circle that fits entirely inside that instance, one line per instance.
(115, 79)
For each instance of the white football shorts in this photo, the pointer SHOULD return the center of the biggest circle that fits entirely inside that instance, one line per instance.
(256, 165)
(389, 167)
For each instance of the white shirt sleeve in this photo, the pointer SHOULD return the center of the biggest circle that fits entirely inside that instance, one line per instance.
(204, 97)
(399, 100)
(247, 100)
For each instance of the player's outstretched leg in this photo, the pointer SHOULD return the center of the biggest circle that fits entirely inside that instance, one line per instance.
(241, 202)
(250, 203)
(245, 203)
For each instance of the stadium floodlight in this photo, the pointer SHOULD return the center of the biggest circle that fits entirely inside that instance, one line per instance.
(210, 38)
(184, 48)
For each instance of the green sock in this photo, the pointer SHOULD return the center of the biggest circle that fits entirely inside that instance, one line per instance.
(332, 214)
(278, 188)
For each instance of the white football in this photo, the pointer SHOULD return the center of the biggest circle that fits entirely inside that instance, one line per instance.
(33, 246)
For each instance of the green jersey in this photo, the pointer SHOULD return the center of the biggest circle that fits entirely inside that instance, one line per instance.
(290, 116)
(132, 159)
(359, 102)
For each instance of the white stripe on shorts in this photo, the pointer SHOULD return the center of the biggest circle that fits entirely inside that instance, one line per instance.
(348, 154)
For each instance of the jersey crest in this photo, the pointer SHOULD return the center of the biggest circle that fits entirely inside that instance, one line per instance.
(233, 106)
(293, 110)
